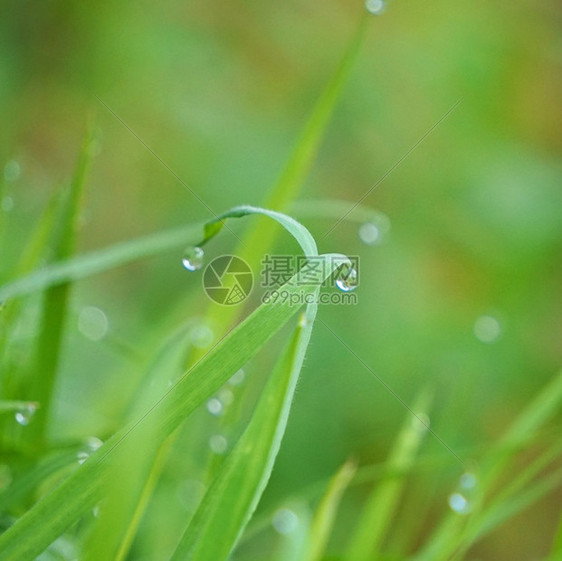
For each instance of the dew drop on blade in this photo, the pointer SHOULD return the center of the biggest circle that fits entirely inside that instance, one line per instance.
(369, 233)
(218, 444)
(93, 443)
(82, 456)
(285, 521)
(214, 406)
(347, 279)
(193, 258)
(468, 480)
(24, 415)
(375, 7)
(459, 503)
(93, 323)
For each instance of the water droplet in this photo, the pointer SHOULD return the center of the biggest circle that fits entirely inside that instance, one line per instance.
(375, 7)
(218, 444)
(93, 323)
(7, 203)
(468, 481)
(226, 396)
(82, 456)
(369, 233)
(93, 443)
(420, 422)
(459, 503)
(487, 329)
(12, 171)
(214, 406)
(285, 521)
(5, 476)
(193, 258)
(201, 336)
(96, 511)
(347, 279)
(238, 378)
(24, 415)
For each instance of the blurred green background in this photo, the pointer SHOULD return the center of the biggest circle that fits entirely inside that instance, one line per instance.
(464, 294)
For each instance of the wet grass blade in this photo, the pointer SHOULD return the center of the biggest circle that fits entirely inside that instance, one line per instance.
(383, 502)
(454, 528)
(100, 261)
(235, 491)
(325, 515)
(112, 529)
(84, 488)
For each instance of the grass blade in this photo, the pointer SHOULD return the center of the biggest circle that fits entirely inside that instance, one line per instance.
(325, 515)
(237, 488)
(454, 528)
(99, 261)
(136, 494)
(56, 299)
(383, 501)
(80, 491)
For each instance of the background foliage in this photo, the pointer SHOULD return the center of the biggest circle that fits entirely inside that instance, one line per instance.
(220, 91)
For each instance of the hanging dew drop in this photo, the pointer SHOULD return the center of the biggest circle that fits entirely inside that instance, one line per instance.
(193, 258)
(375, 7)
(347, 279)
(24, 415)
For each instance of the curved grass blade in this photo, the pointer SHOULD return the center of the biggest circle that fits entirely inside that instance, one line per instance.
(135, 494)
(83, 489)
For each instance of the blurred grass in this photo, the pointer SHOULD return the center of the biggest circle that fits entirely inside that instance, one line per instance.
(220, 91)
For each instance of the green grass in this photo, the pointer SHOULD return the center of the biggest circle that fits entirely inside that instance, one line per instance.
(70, 497)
